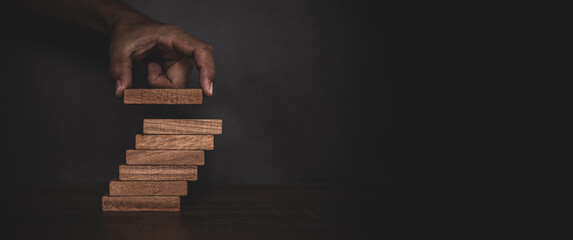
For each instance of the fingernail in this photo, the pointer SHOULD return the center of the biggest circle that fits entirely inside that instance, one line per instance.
(117, 86)
(211, 89)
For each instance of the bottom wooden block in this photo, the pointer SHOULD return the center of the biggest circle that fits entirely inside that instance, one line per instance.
(140, 203)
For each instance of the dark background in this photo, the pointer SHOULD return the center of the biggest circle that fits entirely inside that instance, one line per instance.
(309, 92)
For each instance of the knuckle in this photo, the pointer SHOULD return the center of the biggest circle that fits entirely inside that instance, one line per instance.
(172, 27)
(206, 46)
(170, 32)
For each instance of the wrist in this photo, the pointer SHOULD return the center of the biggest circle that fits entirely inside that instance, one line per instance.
(125, 20)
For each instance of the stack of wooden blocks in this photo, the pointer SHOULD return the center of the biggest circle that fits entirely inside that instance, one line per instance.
(166, 155)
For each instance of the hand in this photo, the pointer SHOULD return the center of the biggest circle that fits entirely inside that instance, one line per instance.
(138, 39)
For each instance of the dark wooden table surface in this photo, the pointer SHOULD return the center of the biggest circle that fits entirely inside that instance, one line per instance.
(221, 212)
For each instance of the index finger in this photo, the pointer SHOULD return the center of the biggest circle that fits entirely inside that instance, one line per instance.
(202, 53)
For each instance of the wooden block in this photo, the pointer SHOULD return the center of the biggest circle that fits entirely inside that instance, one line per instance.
(163, 96)
(175, 142)
(147, 188)
(183, 126)
(165, 172)
(164, 157)
(140, 203)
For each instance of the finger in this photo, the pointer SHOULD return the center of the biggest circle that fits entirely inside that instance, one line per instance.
(177, 66)
(202, 53)
(179, 72)
(206, 66)
(120, 71)
(156, 77)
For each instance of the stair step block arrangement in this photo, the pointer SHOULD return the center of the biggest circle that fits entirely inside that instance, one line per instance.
(165, 158)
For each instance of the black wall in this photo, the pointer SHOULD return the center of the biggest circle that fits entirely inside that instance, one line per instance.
(309, 92)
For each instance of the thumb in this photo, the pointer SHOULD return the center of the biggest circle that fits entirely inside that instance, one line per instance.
(120, 70)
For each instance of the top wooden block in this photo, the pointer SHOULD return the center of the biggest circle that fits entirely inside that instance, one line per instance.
(163, 96)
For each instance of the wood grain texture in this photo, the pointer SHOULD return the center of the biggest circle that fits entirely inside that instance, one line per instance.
(163, 96)
(140, 203)
(165, 172)
(147, 188)
(183, 126)
(175, 142)
(164, 157)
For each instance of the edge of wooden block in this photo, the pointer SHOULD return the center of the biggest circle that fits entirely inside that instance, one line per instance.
(139, 138)
(181, 185)
(129, 99)
(117, 207)
(154, 176)
(153, 121)
(152, 160)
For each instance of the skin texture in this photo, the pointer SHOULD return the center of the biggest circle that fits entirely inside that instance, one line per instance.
(170, 52)
(178, 52)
